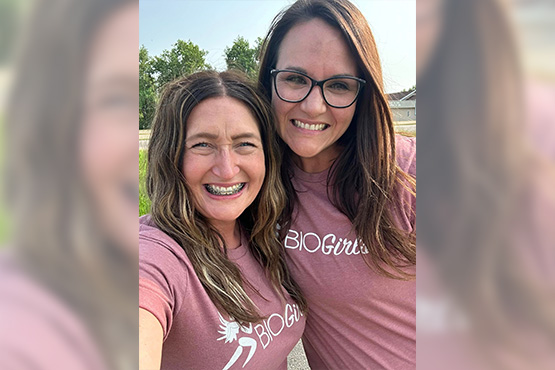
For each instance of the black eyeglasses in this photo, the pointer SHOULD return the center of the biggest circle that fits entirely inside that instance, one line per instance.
(338, 92)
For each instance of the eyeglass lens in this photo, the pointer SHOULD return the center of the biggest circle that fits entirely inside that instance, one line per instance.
(294, 87)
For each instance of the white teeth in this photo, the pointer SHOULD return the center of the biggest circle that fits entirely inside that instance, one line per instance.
(306, 126)
(220, 190)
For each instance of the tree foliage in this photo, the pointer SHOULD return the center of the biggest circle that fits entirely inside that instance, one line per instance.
(147, 89)
(242, 57)
(182, 59)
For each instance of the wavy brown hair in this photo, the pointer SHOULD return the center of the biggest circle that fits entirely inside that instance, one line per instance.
(364, 180)
(173, 208)
(59, 238)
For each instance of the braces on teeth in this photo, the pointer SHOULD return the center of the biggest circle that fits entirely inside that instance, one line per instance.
(219, 190)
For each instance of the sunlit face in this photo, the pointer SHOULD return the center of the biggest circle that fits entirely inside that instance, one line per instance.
(108, 141)
(311, 128)
(223, 162)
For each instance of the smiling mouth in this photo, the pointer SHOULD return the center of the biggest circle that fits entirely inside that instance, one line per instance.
(222, 190)
(306, 126)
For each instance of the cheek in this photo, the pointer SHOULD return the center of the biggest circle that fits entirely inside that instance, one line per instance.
(280, 107)
(257, 169)
(281, 110)
(192, 169)
(345, 116)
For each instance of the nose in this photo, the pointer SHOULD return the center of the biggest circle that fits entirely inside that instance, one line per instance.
(314, 104)
(226, 166)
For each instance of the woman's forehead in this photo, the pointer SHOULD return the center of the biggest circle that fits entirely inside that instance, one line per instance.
(317, 48)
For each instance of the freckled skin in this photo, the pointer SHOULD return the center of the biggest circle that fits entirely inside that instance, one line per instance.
(321, 51)
(223, 159)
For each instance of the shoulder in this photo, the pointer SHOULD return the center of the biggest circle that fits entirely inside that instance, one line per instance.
(38, 330)
(153, 241)
(160, 257)
(405, 152)
(165, 273)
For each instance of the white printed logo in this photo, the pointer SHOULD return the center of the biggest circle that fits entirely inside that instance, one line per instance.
(266, 331)
(229, 330)
(328, 245)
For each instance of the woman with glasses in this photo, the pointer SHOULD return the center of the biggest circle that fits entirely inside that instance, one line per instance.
(349, 225)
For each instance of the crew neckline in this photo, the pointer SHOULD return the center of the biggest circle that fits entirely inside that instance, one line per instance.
(239, 252)
(314, 177)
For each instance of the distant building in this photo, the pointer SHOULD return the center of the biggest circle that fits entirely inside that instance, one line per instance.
(403, 106)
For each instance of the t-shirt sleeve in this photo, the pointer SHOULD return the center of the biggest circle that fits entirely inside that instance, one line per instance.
(406, 153)
(163, 278)
(406, 160)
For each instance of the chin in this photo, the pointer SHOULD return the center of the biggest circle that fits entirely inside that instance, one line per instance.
(303, 152)
(227, 217)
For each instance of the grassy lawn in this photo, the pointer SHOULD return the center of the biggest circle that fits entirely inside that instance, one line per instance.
(144, 202)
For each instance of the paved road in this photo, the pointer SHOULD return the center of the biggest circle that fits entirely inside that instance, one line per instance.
(297, 359)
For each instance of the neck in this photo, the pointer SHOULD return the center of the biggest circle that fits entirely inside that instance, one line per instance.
(320, 162)
(230, 231)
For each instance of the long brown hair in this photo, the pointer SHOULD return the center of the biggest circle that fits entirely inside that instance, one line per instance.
(479, 170)
(365, 176)
(58, 235)
(173, 209)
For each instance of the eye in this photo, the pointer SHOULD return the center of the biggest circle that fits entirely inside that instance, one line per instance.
(295, 79)
(200, 145)
(246, 147)
(338, 86)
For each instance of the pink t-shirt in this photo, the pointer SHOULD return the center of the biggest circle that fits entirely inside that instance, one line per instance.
(358, 319)
(196, 334)
(39, 330)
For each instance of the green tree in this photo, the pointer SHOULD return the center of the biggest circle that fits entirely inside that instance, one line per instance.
(242, 57)
(147, 89)
(183, 59)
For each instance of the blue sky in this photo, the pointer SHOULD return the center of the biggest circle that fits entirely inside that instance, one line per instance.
(215, 24)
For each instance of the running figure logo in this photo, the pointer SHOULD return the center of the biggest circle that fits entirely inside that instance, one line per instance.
(229, 331)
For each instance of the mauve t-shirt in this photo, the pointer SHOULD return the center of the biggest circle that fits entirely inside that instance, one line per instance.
(358, 319)
(196, 334)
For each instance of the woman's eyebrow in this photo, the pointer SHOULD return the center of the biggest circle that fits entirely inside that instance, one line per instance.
(202, 135)
(207, 135)
(295, 68)
(246, 135)
(299, 69)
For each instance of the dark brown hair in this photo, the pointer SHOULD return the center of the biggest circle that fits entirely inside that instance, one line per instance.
(479, 170)
(365, 176)
(58, 234)
(173, 208)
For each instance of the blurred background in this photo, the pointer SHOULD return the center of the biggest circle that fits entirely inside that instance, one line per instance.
(69, 111)
(486, 205)
(69, 116)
